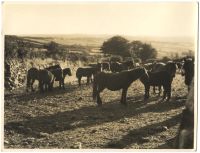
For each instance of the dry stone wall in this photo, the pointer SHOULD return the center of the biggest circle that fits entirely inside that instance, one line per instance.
(14, 74)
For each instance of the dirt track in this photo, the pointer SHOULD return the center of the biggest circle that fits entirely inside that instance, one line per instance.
(71, 119)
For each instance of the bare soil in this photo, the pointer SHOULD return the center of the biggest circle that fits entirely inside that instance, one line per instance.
(71, 119)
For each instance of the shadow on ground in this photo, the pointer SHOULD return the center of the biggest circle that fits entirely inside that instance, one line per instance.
(138, 135)
(93, 115)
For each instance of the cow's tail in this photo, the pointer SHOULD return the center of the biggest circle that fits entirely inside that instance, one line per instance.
(94, 94)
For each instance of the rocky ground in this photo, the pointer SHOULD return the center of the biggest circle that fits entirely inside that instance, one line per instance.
(71, 119)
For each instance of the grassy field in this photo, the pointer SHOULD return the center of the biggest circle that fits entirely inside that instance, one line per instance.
(71, 119)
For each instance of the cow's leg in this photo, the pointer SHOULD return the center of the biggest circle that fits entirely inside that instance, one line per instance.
(154, 89)
(63, 83)
(99, 101)
(92, 78)
(159, 91)
(79, 81)
(88, 79)
(123, 98)
(32, 82)
(168, 92)
(38, 85)
(146, 96)
(27, 85)
(164, 92)
(41, 85)
(60, 84)
(50, 85)
(46, 87)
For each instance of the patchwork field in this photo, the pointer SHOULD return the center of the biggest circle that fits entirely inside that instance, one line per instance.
(164, 46)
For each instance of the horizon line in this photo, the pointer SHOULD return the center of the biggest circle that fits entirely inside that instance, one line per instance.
(81, 34)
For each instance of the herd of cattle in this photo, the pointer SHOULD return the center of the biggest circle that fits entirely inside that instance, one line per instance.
(155, 73)
(119, 75)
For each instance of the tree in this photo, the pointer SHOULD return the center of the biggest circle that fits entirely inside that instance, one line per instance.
(116, 45)
(143, 51)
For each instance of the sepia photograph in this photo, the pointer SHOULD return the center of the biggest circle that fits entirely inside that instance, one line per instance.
(99, 75)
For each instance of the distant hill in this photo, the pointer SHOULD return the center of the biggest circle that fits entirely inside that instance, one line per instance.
(164, 45)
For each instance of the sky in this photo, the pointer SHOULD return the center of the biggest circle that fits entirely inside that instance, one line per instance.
(172, 19)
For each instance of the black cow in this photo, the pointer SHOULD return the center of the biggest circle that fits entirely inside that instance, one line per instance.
(161, 78)
(46, 80)
(170, 67)
(85, 72)
(117, 67)
(188, 71)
